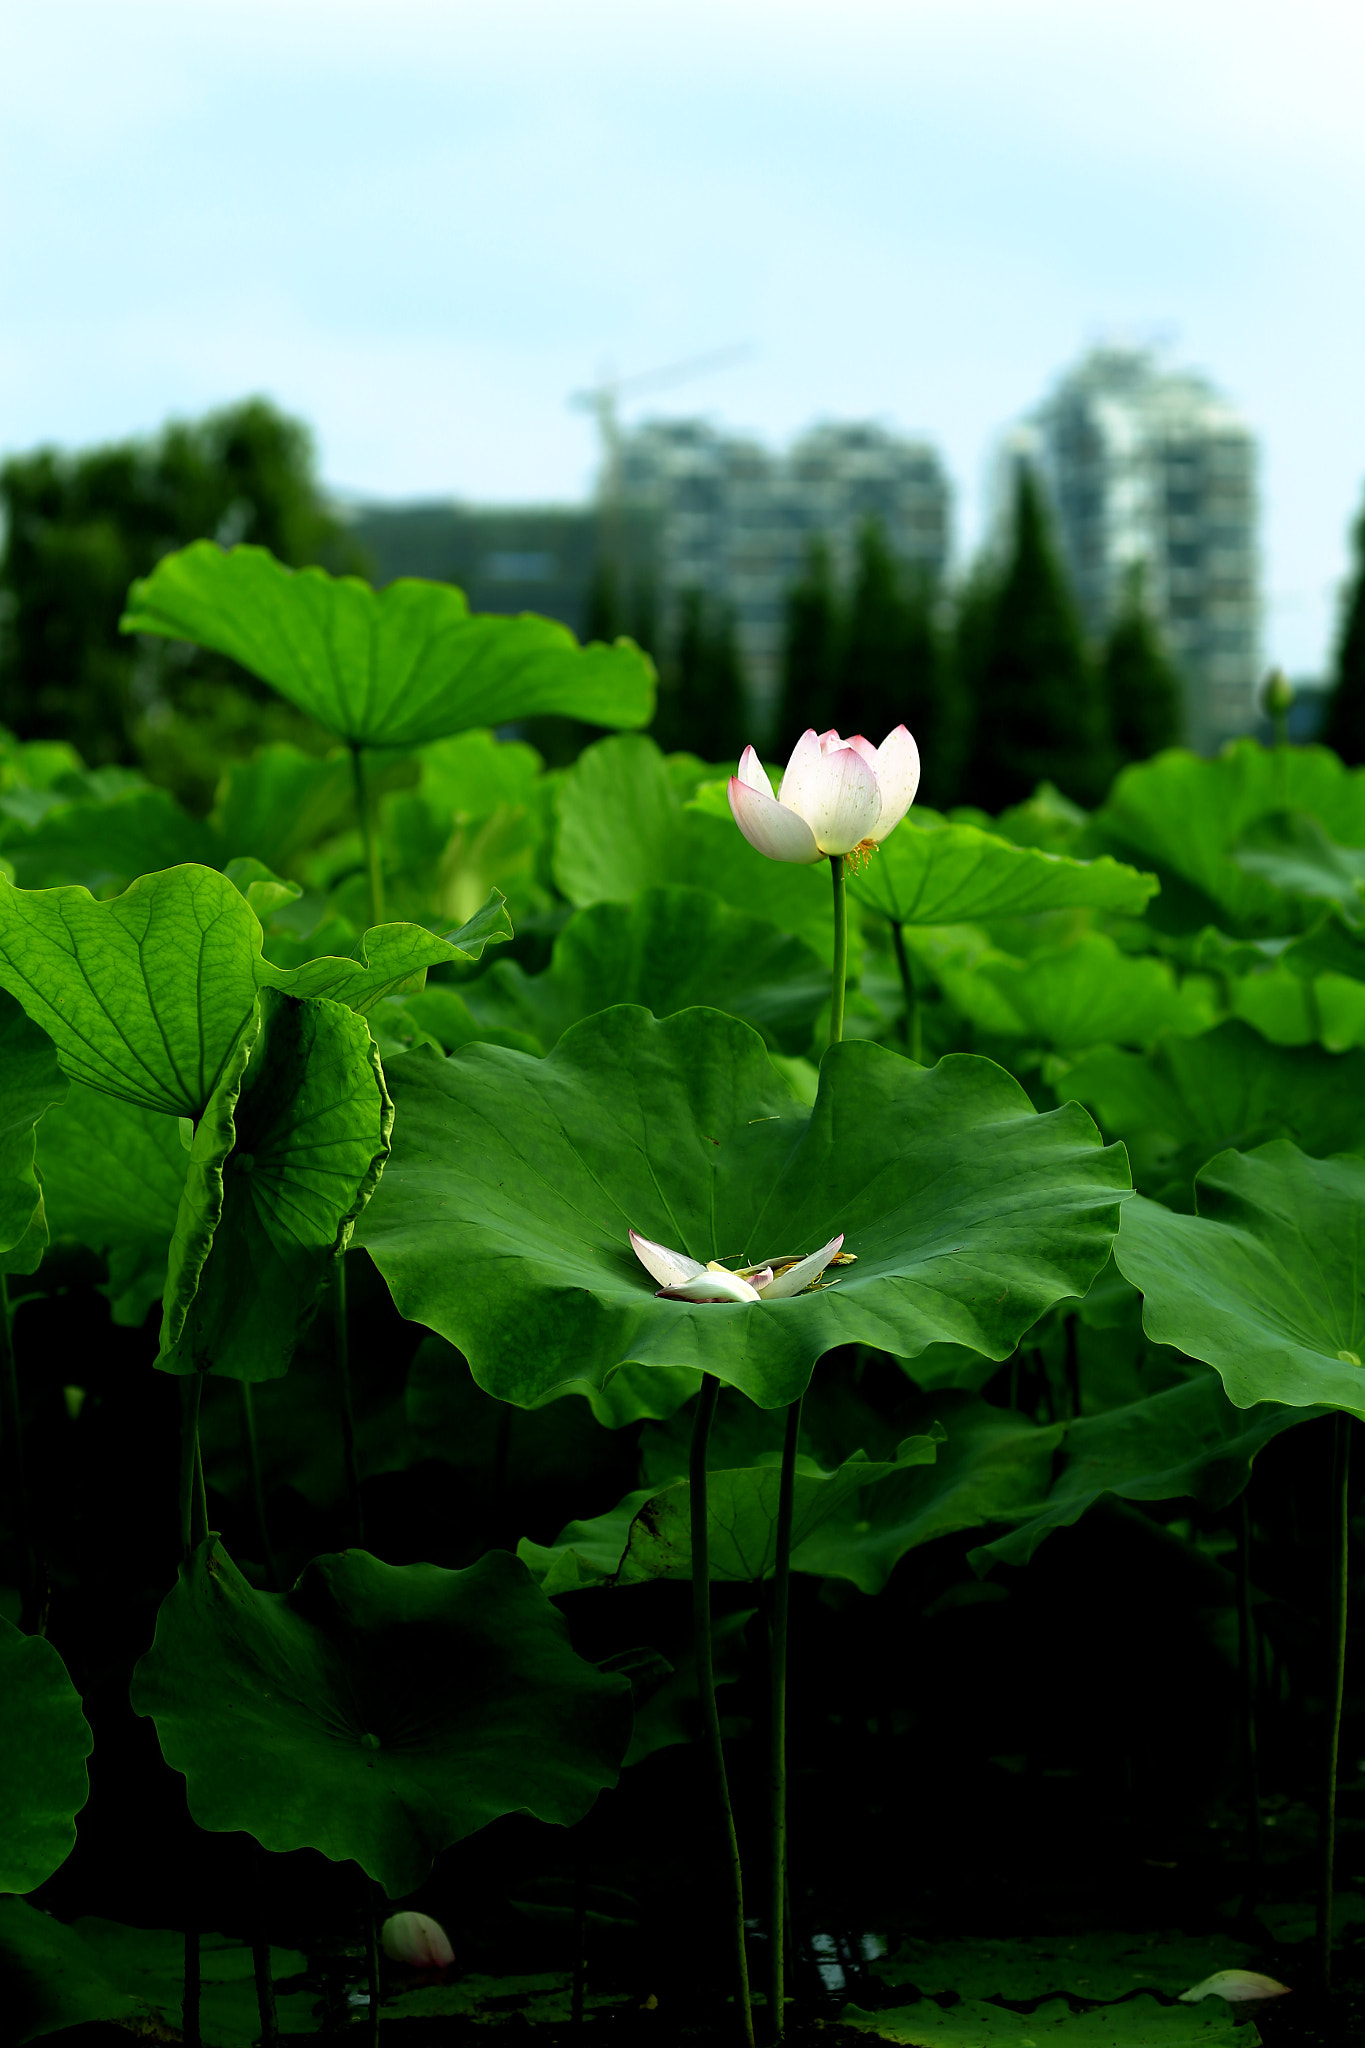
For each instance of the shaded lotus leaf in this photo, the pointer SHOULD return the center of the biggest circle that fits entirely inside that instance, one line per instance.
(1291, 851)
(103, 845)
(622, 826)
(451, 1418)
(113, 1176)
(44, 1739)
(667, 949)
(389, 958)
(1188, 1098)
(654, 1528)
(1140, 2022)
(282, 802)
(281, 1165)
(1094, 1966)
(396, 667)
(931, 872)
(376, 1712)
(59, 1976)
(542, 2000)
(1187, 1442)
(1263, 1283)
(31, 1082)
(1087, 993)
(501, 1221)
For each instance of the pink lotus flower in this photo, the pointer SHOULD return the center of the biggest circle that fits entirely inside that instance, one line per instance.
(837, 796)
(417, 1940)
(684, 1279)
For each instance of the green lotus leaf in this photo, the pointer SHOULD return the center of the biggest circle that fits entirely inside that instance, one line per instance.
(1189, 1098)
(32, 1082)
(282, 802)
(57, 1976)
(1140, 2022)
(389, 958)
(1088, 993)
(1187, 1442)
(667, 949)
(376, 1712)
(44, 1739)
(1263, 1283)
(931, 872)
(502, 1220)
(396, 667)
(281, 1165)
(472, 774)
(113, 1176)
(545, 1999)
(104, 845)
(1093, 1966)
(1291, 851)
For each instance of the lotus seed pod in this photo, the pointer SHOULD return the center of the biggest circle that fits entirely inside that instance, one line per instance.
(417, 1940)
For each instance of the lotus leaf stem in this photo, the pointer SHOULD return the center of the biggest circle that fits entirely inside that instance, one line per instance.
(1246, 1679)
(372, 1957)
(706, 1689)
(348, 1450)
(777, 1994)
(265, 1990)
(31, 1619)
(912, 1024)
(365, 812)
(193, 1502)
(189, 2007)
(1341, 1468)
(253, 1452)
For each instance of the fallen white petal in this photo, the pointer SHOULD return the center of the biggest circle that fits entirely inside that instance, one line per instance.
(669, 1268)
(417, 1939)
(770, 826)
(1235, 1986)
(711, 1286)
(897, 762)
(800, 1275)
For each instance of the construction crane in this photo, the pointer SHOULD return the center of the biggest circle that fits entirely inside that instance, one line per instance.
(603, 400)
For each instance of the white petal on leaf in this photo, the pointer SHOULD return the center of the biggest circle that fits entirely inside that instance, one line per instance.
(800, 1275)
(1235, 1986)
(710, 1286)
(669, 1268)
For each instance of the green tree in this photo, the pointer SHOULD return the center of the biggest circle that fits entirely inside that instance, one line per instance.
(1040, 710)
(1141, 686)
(895, 669)
(703, 704)
(811, 651)
(1344, 728)
(79, 528)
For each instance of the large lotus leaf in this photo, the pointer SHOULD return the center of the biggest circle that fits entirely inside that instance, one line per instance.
(384, 668)
(44, 1740)
(390, 957)
(1291, 851)
(376, 1712)
(502, 1220)
(1191, 1097)
(623, 826)
(57, 1977)
(1264, 1281)
(1140, 2022)
(113, 1176)
(1187, 1442)
(649, 1535)
(1093, 1966)
(931, 872)
(667, 949)
(1088, 993)
(261, 1223)
(31, 1081)
(545, 1999)
(282, 802)
(1184, 816)
(104, 846)
(472, 774)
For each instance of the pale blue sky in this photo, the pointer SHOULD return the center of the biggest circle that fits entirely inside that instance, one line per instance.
(422, 226)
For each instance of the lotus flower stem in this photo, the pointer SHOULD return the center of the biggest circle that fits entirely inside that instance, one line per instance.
(777, 1994)
(194, 1520)
(253, 1452)
(1246, 1678)
(348, 1451)
(836, 992)
(365, 813)
(189, 2004)
(706, 1687)
(1341, 1466)
(16, 1483)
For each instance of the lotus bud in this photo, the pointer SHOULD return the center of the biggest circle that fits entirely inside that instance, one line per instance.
(417, 1940)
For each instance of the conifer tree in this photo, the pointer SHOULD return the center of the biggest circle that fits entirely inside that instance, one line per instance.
(1040, 711)
(703, 705)
(1141, 686)
(1344, 728)
(811, 652)
(894, 670)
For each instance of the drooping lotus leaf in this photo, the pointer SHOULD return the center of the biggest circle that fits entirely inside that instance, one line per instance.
(1087, 993)
(1263, 1283)
(384, 668)
(931, 872)
(376, 1712)
(57, 1976)
(31, 1081)
(389, 958)
(502, 1220)
(278, 1173)
(44, 1739)
(649, 1535)
(1093, 1966)
(667, 949)
(1140, 2022)
(1187, 1442)
(1191, 1097)
(113, 1176)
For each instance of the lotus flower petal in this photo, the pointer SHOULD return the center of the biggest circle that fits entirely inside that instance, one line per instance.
(769, 825)
(831, 742)
(1234, 1986)
(836, 793)
(753, 774)
(800, 1275)
(711, 1285)
(669, 1268)
(897, 761)
(418, 1940)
